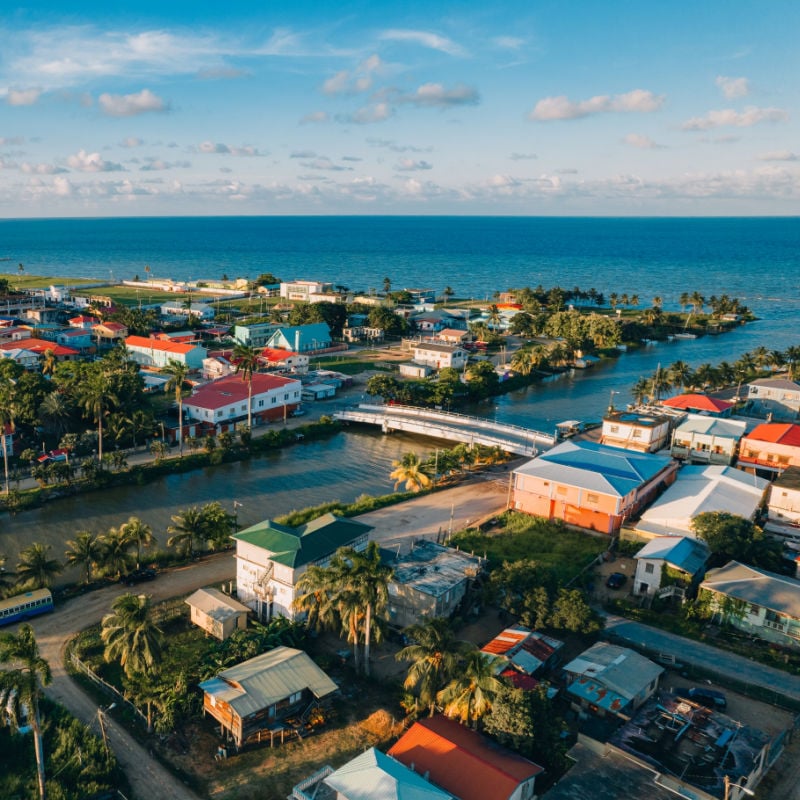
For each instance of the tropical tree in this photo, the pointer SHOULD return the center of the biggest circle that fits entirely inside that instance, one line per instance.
(218, 525)
(434, 656)
(35, 566)
(6, 578)
(8, 413)
(409, 470)
(130, 635)
(189, 526)
(118, 545)
(86, 550)
(177, 371)
(95, 396)
(21, 686)
(680, 374)
(246, 360)
(470, 693)
(140, 534)
(49, 362)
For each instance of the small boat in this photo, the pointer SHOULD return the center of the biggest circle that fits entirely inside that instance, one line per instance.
(685, 335)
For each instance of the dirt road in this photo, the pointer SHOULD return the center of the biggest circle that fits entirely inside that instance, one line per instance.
(424, 516)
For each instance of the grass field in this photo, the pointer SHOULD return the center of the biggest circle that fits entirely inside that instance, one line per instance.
(25, 281)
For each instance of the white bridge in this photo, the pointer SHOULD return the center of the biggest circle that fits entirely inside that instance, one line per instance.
(448, 425)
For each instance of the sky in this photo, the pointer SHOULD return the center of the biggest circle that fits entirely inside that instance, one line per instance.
(506, 108)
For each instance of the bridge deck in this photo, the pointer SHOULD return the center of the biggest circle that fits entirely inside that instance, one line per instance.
(449, 425)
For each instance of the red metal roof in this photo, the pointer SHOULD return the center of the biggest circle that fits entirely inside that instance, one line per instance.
(39, 346)
(462, 761)
(701, 402)
(519, 680)
(779, 433)
(274, 354)
(505, 641)
(112, 326)
(158, 344)
(233, 389)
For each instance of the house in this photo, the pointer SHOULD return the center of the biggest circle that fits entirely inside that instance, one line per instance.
(707, 440)
(304, 290)
(255, 334)
(318, 391)
(700, 404)
(608, 680)
(302, 338)
(270, 558)
(453, 336)
(109, 333)
(201, 311)
(635, 430)
(440, 356)
(783, 508)
(38, 347)
(764, 604)
(774, 398)
(411, 370)
(216, 613)
(14, 333)
(25, 358)
(284, 360)
(429, 582)
(79, 339)
(699, 489)
(151, 352)
(223, 403)
(590, 485)
(464, 763)
(217, 366)
(82, 322)
(681, 560)
(422, 295)
(371, 775)
(770, 448)
(360, 333)
(525, 651)
(257, 695)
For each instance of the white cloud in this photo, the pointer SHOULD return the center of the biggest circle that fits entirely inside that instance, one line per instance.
(359, 80)
(159, 165)
(508, 42)
(523, 156)
(129, 105)
(728, 117)
(208, 147)
(41, 169)
(434, 95)
(424, 38)
(315, 117)
(303, 154)
(92, 162)
(412, 165)
(351, 158)
(779, 155)
(23, 97)
(732, 88)
(642, 142)
(131, 141)
(561, 107)
(325, 164)
(377, 112)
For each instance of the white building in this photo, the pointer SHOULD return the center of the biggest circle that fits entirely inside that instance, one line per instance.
(778, 397)
(686, 556)
(440, 356)
(202, 311)
(707, 440)
(783, 507)
(158, 353)
(304, 290)
(636, 430)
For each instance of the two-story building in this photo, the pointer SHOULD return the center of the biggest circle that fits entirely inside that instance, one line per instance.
(783, 508)
(590, 485)
(636, 430)
(152, 352)
(440, 356)
(309, 338)
(271, 558)
(770, 448)
(304, 291)
(256, 334)
(676, 561)
(775, 398)
(699, 404)
(707, 440)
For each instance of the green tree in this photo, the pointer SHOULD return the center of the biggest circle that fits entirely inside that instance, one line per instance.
(188, 528)
(130, 635)
(35, 567)
(86, 551)
(470, 693)
(435, 656)
(117, 543)
(22, 686)
(178, 372)
(409, 470)
(732, 537)
(95, 397)
(139, 534)
(572, 613)
(218, 525)
(246, 359)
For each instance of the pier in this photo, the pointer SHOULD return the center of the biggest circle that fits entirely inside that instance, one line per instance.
(449, 425)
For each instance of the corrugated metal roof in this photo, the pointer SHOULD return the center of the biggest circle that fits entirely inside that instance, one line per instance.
(376, 776)
(776, 432)
(682, 552)
(215, 604)
(262, 681)
(713, 426)
(778, 593)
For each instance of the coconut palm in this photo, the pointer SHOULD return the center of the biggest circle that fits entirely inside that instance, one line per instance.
(86, 550)
(434, 658)
(246, 359)
(315, 597)
(6, 578)
(21, 686)
(95, 397)
(189, 527)
(177, 371)
(49, 362)
(409, 470)
(55, 412)
(35, 566)
(679, 374)
(117, 556)
(470, 693)
(523, 361)
(792, 356)
(139, 534)
(130, 635)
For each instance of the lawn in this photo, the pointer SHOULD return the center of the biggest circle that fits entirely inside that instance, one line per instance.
(25, 281)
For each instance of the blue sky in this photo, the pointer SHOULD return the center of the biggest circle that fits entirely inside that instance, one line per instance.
(533, 108)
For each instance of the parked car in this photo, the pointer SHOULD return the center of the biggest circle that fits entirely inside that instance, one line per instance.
(138, 576)
(710, 698)
(616, 580)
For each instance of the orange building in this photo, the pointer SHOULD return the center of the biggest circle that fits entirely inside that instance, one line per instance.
(590, 485)
(770, 448)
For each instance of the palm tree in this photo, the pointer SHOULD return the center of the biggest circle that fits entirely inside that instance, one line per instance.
(408, 470)
(8, 413)
(131, 636)
(680, 374)
(86, 550)
(792, 356)
(247, 360)
(5, 577)
(434, 657)
(315, 593)
(48, 361)
(189, 527)
(641, 390)
(118, 544)
(140, 534)
(470, 693)
(21, 687)
(141, 422)
(54, 413)
(36, 568)
(177, 371)
(95, 397)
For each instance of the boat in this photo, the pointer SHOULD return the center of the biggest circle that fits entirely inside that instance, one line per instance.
(685, 333)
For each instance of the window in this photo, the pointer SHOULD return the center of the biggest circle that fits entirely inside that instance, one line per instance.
(274, 399)
(592, 498)
(637, 433)
(260, 403)
(614, 429)
(754, 609)
(649, 568)
(561, 489)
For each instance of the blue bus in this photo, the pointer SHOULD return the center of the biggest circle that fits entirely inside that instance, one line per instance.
(22, 606)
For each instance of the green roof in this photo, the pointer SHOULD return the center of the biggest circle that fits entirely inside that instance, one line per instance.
(314, 541)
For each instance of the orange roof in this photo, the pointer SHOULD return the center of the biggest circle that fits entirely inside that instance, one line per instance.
(701, 402)
(112, 326)
(779, 433)
(462, 761)
(158, 344)
(276, 354)
(39, 346)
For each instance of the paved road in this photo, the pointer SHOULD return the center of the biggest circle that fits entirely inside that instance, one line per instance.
(423, 516)
(719, 662)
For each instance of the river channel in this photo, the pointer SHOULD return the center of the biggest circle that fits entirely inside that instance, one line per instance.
(359, 461)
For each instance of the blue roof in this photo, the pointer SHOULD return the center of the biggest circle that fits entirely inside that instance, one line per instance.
(689, 555)
(314, 330)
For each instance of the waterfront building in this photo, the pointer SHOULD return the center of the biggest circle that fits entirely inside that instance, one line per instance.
(309, 338)
(202, 311)
(783, 507)
(271, 558)
(700, 404)
(645, 432)
(440, 356)
(774, 398)
(590, 485)
(707, 440)
(305, 291)
(770, 448)
(698, 489)
(152, 352)
(216, 613)
(680, 560)
(79, 339)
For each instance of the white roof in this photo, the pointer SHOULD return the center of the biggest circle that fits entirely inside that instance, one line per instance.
(215, 604)
(699, 489)
(713, 426)
(757, 586)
